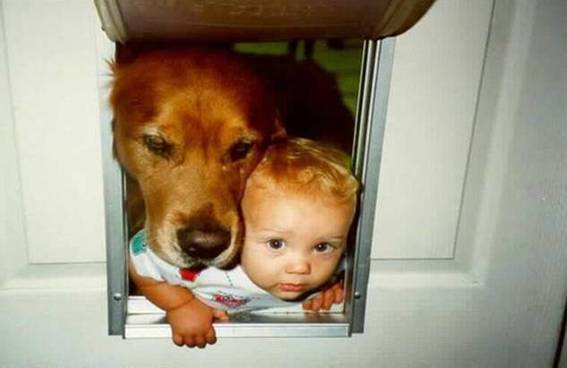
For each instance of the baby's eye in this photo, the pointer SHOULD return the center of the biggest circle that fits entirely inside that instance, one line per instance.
(323, 248)
(276, 244)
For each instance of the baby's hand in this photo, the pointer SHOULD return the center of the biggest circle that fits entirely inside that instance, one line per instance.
(326, 298)
(192, 324)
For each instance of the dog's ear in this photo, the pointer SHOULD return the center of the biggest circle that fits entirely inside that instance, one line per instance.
(279, 133)
(128, 52)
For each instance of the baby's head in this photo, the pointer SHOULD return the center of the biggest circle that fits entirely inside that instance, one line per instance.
(298, 207)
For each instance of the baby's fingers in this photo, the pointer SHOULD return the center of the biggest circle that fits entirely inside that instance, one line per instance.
(220, 314)
(177, 339)
(211, 337)
(339, 293)
(189, 341)
(328, 299)
(200, 341)
(316, 303)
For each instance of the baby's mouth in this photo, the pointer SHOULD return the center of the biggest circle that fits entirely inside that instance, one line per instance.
(292, 287)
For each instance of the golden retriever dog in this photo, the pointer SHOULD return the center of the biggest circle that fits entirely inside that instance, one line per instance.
(190, 125)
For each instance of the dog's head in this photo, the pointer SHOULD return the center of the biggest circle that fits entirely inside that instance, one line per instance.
(190, 126)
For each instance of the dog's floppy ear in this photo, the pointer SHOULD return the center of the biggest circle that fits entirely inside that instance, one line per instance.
(127, 53)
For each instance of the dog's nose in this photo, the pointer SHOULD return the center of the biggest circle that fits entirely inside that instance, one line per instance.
(203, 244)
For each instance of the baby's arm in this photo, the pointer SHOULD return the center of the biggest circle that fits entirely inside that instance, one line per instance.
(190, 319)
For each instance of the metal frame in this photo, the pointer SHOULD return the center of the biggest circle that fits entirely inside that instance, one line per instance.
(115, 224)
(131, 322)
(374, 90)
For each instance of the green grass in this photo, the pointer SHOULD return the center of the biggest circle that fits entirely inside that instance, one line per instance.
(343, 63)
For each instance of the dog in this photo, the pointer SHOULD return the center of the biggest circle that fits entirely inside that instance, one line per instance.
(190, 125)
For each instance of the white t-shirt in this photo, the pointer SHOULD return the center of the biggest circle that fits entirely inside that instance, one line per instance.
(229, 290)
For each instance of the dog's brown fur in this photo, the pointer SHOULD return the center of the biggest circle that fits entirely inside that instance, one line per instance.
(190, 126)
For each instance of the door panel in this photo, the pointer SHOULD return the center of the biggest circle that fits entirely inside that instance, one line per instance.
(53, 90)
(431, 112)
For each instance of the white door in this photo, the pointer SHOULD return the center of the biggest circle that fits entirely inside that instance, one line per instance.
(469, 258)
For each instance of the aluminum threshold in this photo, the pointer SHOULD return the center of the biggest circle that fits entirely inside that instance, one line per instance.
(247, 325)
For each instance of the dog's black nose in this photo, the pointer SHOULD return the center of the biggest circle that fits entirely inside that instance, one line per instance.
(203, 244)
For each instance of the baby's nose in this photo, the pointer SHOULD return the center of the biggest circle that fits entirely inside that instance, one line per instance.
(299, 266)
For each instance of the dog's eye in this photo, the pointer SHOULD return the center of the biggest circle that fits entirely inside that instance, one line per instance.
(157, 144)
(240, 149)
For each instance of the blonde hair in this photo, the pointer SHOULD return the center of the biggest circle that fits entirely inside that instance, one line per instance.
(302, 166)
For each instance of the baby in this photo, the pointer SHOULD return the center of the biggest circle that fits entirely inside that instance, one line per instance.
(298, 206)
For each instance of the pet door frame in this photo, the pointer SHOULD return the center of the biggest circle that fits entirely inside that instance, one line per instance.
(136, 317)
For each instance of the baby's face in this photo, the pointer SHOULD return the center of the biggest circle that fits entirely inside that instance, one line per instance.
(292, 244)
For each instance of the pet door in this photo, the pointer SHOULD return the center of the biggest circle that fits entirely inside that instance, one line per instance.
(132, 315)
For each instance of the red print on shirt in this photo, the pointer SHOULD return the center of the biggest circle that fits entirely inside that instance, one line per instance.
(231, 301)
(189, 274)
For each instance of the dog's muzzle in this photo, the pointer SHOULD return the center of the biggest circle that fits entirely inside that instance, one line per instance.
(203, 244)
